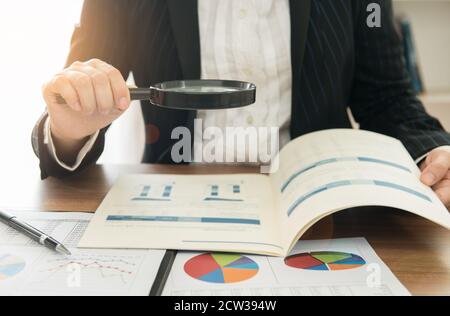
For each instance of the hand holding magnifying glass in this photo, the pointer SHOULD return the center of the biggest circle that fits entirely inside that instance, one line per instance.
(88, 96)
(194, 94)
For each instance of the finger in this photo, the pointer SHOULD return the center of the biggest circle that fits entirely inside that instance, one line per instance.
(85, 90)
(62, 86)
(444, 195)
(119, 87)
(438, 167)
(423, 164)
(103, 93)
(441, 184)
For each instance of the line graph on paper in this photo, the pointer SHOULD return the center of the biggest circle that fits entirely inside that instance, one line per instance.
(108, 271)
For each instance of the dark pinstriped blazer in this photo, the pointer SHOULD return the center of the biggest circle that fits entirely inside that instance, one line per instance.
(337, 62)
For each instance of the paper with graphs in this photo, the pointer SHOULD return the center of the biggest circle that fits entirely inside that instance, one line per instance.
(340, 267)
(27, 268)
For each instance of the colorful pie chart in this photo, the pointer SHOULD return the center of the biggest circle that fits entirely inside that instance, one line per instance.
(10, 266)
(325, 261)
(221, 268)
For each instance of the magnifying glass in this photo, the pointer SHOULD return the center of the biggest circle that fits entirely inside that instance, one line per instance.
(195, 94)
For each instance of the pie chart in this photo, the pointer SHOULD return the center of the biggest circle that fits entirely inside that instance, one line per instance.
(10, 266)
(325, 261)
(221, 268)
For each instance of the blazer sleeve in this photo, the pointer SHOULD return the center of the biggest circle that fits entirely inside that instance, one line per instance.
(103, 33)
(382, 98)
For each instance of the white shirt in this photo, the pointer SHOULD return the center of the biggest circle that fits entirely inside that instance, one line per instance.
(249, 41)
(240, 40)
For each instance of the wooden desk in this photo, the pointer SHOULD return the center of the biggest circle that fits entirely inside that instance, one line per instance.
(417, 251)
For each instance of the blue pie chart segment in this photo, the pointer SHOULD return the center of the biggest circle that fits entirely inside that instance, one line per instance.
(10, 266)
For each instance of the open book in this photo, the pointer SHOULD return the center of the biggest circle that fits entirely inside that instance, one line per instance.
(319, 174)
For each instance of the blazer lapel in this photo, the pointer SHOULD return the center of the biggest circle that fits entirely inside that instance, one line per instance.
(300, 14)
(185, 25)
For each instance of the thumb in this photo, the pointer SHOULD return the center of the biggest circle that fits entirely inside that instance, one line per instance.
(437, 167)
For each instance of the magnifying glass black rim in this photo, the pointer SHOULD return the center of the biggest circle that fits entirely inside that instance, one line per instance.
(168, 95)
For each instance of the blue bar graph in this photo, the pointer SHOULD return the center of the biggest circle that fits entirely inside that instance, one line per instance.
(150, 193)
(145, 191)
(231, 193)
(167, 191)
(210, 220)
(337, 184)
(342, 159)
(214, 190)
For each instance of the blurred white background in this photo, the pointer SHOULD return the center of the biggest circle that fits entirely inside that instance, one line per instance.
(34, 41)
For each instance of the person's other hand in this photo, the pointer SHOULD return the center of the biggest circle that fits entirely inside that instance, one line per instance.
(96, 95)
(436, 173)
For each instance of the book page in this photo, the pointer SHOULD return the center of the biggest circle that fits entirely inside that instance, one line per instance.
(188, 212)
(332, 170)
(28, 268)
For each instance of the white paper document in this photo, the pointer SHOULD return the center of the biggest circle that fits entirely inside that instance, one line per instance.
(187, 212)
(319, 174)
(27, 268)
(340, 267)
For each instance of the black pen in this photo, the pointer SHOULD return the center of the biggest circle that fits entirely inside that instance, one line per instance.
(33, 233)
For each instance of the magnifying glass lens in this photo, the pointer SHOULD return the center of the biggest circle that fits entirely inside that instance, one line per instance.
(203, 94)
(202, 89)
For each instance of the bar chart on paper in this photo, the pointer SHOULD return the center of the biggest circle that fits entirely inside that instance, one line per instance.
(224, 193)
(156, 201)
(154, 192)
(190, 212)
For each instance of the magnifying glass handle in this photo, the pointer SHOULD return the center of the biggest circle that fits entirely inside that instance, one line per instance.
(136, 94)
(140, 93)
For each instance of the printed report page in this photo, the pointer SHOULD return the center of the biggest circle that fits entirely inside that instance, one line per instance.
(327, 171)
(194, 212)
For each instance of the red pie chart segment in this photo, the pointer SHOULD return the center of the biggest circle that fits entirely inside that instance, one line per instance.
(203, 265)
(221, 268)
(303, 261)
